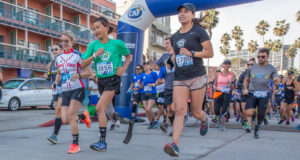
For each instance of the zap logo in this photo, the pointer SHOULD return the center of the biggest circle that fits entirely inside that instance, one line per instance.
(135, 12)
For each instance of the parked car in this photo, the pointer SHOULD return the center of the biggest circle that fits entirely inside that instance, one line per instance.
(22, 92)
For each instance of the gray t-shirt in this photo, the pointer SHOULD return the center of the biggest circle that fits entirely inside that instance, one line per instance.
(260, 77)
(169, 73)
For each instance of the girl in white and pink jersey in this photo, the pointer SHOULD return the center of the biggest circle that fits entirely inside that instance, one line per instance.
(69, 73)
(224, 84)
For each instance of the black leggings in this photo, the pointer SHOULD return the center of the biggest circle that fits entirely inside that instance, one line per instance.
(222, 103)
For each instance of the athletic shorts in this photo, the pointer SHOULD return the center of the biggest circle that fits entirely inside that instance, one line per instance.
(253, 101)
(148, 96)
(278, 100)
(160, 99)
(77, 94)
(168, 96)
(193, 84)
(289, 100)
(137, 97)
(109, 84)
(56, 96)
(243, 98)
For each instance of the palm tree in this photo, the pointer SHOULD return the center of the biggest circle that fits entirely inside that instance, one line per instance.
(291, 53)
(252, 47)
(237, 34)
(281, 30)
(209, 21)
(262, 28)
(297, 43)
(224, 50)
(225, 42)
(269, 45)
(277, 45)
(298, 16)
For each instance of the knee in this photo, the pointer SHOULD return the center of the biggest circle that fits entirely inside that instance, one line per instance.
(180, 111)
(100, 109)
(248, 113)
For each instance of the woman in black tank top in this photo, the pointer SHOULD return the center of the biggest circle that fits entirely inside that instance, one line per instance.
(289, 99)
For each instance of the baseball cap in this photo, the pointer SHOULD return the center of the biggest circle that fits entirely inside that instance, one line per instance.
(227, 62)
(291, 72)
(188, 6)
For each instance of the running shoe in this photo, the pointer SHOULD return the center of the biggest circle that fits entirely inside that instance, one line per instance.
(118, 123)
(281, 121)
(218, 124)
(287, 122)
(74, 148)
(52, 139)
(87, 119)
(248, 128)
(204, 128)
(256, 132)
(172, 149)
(223, 128)
(99, 146)
(151, 125)
(164, 127)
(112, 127)
(266, 121)
(293, 119)
(156, 124)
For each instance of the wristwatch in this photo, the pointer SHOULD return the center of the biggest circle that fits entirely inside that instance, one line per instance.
(193, 53)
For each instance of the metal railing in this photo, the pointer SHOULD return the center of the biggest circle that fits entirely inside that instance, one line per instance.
(102, 10)
(80, 5)
(22, 57)
(20, 17)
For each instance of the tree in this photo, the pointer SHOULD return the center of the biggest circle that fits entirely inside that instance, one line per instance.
(277, 45)
(225, 42)
(291, 53)
(298, 16)
(281, 30)
(224, 50)
(237, 34)
(209, 21)
(252, 47)
(262, 28)
(297, 43)
(268, 44)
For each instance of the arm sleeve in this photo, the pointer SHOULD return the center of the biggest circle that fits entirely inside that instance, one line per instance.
(89, 52)
(124, 51)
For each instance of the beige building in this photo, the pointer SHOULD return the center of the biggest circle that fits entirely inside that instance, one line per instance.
(154, 35)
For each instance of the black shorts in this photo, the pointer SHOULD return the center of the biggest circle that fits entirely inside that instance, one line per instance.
(148, 96)
(77, 94)
(278, 100)
(221, 103)
(253, 101)
(56, 96)
(289, 100)
(137, 97)
(168, 96)
(243, 98)
(109, 84)
(161, 98)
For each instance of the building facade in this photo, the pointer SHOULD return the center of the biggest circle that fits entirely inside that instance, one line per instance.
(28, 29)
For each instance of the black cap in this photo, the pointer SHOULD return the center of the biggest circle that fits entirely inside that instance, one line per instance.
(291, 72)
(188, 6)
(227, 62)
(146, 63)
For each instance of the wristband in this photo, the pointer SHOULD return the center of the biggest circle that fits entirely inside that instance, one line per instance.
(193, 53)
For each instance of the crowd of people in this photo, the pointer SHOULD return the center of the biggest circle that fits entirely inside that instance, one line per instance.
(177, 83)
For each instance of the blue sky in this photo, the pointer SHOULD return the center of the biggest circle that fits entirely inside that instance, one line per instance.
(247, 16)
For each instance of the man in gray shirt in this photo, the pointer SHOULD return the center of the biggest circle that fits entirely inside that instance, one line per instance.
(257, 87)
(165, 60)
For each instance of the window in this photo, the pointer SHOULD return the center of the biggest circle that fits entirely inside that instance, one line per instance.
(33, 17)
(42, 84)
(29, 85)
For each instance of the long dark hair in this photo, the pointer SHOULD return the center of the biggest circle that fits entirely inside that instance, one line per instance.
(59, 45)
(105, 23)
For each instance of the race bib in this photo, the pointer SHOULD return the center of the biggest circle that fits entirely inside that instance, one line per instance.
(160, 100)
(260, 94)
(225, 89)
(105, 68)
(65, 77)
(136, 85)
(147, 89)
(184, 60)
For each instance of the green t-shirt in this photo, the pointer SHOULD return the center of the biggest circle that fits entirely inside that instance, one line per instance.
(105, 64)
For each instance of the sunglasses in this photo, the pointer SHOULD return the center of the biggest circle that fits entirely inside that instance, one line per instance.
(64, 41)
(138, 69)
(55, 49)
(250, 64)
(262, 57)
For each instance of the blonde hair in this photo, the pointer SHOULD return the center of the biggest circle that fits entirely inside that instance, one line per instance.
(71, 35)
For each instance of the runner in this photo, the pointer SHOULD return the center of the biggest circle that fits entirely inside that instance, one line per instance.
(240, 87)
(107, 55)
(165, 60)
(57, 95)
(160, 100)
(279, 93)
(191, 44)
(210, 100)
(224, 84)
(149, 93)
(68, 73)
(289, 98)
(298, 100)
(258, 91)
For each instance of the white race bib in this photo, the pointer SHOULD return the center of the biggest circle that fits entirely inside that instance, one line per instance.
(160, 100)
(225, 89)
(136, 85)
(105, 68)
(184, 60)
(147, 89)
(260, 94)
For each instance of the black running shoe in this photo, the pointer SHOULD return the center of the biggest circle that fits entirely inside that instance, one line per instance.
(281, 121)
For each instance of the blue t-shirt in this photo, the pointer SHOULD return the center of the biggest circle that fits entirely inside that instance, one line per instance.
(162, 73)
(135, 79)
(150, 78)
